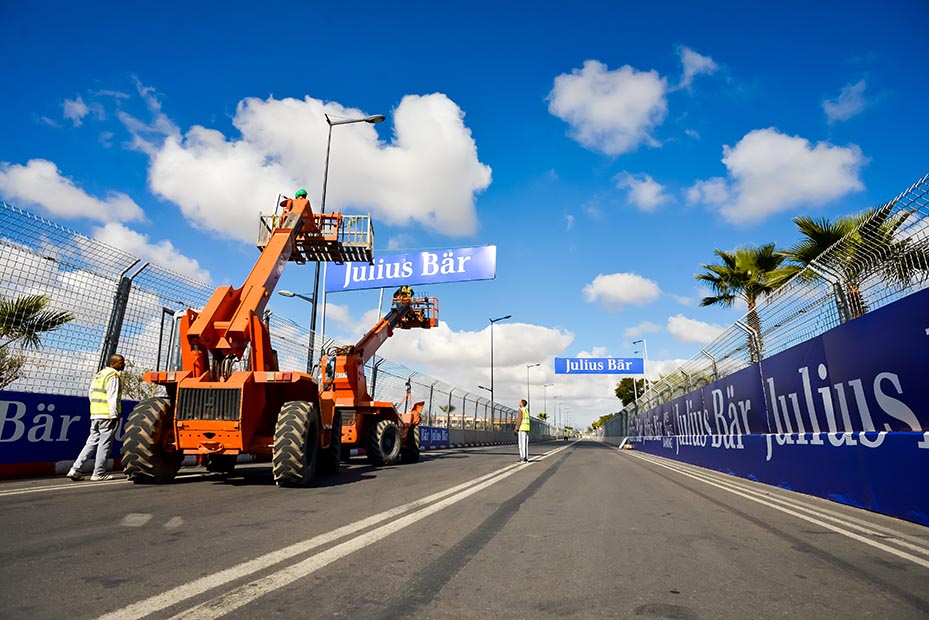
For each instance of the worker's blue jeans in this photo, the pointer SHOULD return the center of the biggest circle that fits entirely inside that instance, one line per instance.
(99, 441)
(523, 438)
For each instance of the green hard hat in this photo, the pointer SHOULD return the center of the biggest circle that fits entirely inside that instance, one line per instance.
(301, 193)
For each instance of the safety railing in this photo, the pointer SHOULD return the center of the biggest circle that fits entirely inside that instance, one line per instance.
(883, 259)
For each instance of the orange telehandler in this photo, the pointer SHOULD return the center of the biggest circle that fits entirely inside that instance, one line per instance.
(218, 411)
(384, 434)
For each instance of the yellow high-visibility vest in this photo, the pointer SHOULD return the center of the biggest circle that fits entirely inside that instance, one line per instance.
(99, 405)
(525, 424)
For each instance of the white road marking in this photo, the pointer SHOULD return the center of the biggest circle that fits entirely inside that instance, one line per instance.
(174, 522)
(135, 519)
(241, 596)
(730, 488)
(889, 535)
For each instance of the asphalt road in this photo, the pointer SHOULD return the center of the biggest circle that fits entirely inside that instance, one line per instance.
(583, 531)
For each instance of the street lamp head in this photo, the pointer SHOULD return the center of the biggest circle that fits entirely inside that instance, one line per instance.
(533, 365)
(287, 293)
(509, 316)
(636, 341)
(377, 118)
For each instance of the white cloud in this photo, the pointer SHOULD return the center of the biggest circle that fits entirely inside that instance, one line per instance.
(429, 173)
(162, 253)
(848, 104)
(613, 112)
(713, 191)
(620, 289)
(694, 64)
(401, 241)
(645, 327)
(691, 331)
(462, 358)
(644, 192)
(770, 172)
(662, 368)
(40, 183)
(340, 316)
(75, 110)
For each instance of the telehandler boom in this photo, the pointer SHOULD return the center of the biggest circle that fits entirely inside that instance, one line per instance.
(377, 427)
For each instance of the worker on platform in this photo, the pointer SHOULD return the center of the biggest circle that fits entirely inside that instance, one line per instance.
(403, 294)
(288, 204)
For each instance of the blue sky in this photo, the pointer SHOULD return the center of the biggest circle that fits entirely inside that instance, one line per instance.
(606, 149)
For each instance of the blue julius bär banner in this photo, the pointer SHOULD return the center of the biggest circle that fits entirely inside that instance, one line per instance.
(599, 366)
(431, 437)
(37, 428)
(440, 267)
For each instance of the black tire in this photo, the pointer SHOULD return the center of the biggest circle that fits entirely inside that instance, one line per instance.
(410, 452)
(296, 444)
(220, 463)
(145, 458)
(330, 459)
(383, 443)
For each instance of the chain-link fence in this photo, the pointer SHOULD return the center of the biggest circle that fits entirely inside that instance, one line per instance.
(884, 258)
(68, 301)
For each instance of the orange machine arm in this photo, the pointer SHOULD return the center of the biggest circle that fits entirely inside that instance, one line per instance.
(347, 375)
(225, 326)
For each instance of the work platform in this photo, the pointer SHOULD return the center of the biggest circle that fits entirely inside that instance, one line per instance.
(335, 238)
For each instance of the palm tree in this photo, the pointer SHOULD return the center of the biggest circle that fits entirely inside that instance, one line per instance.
(745, 274)
(869, 245)
(23, 320)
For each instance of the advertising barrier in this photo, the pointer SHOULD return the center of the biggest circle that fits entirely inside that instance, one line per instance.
(39, 430)
(843, 416)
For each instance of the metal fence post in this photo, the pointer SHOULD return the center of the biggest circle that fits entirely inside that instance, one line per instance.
(117, 314)
(430, 416)
(713, 360)
(754, 338)
(841, 300)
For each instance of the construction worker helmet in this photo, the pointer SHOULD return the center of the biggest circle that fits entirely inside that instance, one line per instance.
(301, 193)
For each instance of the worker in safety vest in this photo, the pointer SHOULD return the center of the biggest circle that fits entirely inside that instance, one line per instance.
(105, 407)
(404, 293)
(523, 424)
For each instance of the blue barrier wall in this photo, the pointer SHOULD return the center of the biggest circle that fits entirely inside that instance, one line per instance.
(38, 430)
(844, 416)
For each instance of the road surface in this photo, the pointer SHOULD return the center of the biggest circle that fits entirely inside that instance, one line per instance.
(582, 531)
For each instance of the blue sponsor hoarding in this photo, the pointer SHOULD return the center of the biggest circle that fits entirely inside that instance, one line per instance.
(844, 416)
(439, 267)
(867, 375)
(599, 366)
(431, 437)
(37, 428)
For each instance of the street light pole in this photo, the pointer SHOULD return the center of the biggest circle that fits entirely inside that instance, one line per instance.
(645, 361)
(377, 118)
(528, 366)
(492, 321)
(545, 396)
(309, 346)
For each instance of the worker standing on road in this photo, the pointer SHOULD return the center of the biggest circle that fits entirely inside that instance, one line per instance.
(105, 406)
(522, 431)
